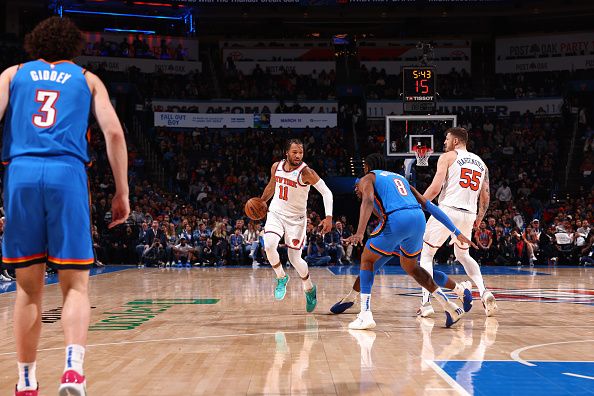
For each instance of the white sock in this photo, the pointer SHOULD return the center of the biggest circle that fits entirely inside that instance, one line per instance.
(365, 302)
(271, 241)
(307, 285)
(441, 297)
(427, 264)
(279, 271)
(27, 378)
(75, 356)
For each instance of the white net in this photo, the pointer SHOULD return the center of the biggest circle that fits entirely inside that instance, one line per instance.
(422, 154)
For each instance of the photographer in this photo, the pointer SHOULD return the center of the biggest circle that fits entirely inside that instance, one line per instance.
(153, 255)
(334, 243)
(316, 251)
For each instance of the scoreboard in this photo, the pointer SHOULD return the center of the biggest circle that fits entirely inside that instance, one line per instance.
(418, 89)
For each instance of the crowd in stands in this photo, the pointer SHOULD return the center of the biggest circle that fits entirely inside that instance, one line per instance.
(138, 48)
(262, 84)
(197, 218)
(10, 54)
(586, 140)
(522, 154)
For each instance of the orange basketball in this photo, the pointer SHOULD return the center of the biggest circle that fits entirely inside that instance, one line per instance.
(256, 208)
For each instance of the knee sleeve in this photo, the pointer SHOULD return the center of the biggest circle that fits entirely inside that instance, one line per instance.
(427, 255)
(470, 266)
(461, 253)
(271, 241)
(297, 261)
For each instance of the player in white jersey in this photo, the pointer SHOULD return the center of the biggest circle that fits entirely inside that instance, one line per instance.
(290, 180)
(463, 179)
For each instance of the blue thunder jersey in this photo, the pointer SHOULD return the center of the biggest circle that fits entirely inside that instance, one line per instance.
(48, 111)
(392, 193)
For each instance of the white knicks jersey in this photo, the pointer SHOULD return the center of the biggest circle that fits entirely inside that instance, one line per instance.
(290, 194)
(463, 182)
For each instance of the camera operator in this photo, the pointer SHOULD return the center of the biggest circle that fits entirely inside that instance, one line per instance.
(154, 254)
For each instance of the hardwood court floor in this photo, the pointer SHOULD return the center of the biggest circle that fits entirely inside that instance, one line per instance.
(220, 331)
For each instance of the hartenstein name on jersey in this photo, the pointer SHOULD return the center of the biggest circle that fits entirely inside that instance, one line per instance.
(282, 180)
(472, 161)
(46, 75)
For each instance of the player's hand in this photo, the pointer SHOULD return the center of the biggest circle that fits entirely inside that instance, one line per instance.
(462, 239)
(356, 239)
(120, 210)
(326, 225)
(476, 224)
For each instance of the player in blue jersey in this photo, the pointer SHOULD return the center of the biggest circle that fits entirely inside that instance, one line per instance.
(46, 105)
(462, 289)
(399, 233)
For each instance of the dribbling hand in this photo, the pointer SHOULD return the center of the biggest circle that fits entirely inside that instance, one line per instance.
(120, 210)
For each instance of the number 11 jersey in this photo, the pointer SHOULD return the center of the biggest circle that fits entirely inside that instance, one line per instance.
(290, 194)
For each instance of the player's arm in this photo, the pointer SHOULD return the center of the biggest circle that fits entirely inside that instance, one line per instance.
(269, 189)
(367, 195)
(115, 143)
(484, 199)
(443, 163)
(309, 176)
(5, 79)
(440, 216)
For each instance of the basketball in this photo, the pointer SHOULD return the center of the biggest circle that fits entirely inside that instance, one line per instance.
(256, 208)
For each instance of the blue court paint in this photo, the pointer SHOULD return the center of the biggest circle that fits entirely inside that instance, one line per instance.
(7, 287)
(512, 378)
(448, 269)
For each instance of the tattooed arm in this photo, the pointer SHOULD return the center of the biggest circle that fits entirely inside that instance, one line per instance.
(484, 199)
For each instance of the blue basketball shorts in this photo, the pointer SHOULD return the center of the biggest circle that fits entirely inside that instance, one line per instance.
(400, 233)
(48, 217)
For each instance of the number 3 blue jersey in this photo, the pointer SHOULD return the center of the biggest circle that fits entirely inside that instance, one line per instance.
(48, 112)
(393, 192)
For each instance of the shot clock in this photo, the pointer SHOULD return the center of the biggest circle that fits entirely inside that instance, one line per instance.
(418, 89)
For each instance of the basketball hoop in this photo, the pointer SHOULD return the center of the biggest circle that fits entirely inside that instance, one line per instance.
(422, 153)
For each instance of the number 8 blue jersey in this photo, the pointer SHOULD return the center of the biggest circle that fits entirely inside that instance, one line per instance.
(48, 112)
(393, 192)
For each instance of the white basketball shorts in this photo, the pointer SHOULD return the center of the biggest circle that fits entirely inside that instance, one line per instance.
(436, 233)
(293, 228)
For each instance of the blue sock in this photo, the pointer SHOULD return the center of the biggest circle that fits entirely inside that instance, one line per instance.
(440, 278)
(366, 281)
